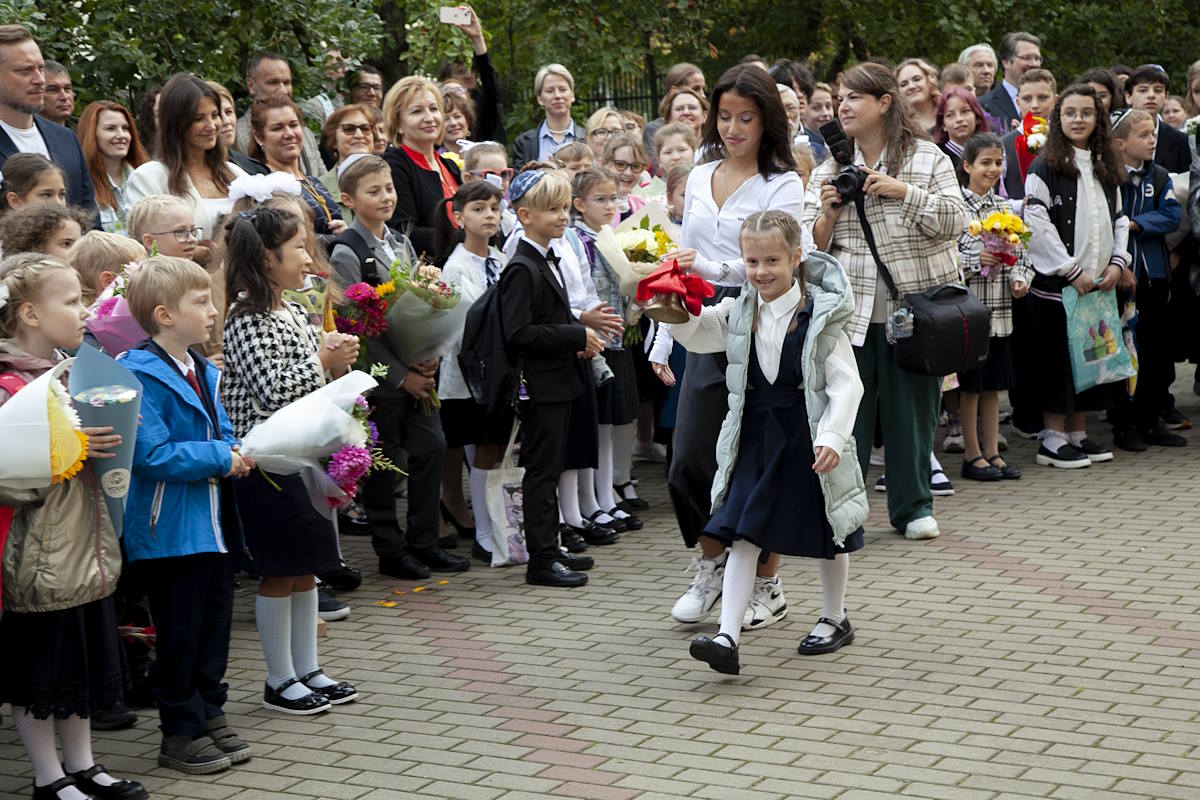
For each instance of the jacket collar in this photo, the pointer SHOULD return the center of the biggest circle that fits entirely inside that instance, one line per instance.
(152, 360)
(527, 248)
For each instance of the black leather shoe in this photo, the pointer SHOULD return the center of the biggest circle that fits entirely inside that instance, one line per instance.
(50, 791)
(117, 718)
(613, 524)
(843, 634)
(576, 563)
(481, 555)
(406, 566)
(353, 526)
(448, 542)
(438, 560)
(554, 574)
(973, 471)
(721, 658)
(632, 522)
(1009, 472)
(629, 504)
(597, 535)
(463, 531)
(1129, 440)
(340, 692)
(343, 579)
(1161, 437)
(121, 790)
(572, 540)
(311, 703)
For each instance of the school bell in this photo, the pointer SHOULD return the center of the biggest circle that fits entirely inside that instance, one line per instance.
(667, 308)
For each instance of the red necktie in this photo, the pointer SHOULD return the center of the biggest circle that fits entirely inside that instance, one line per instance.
(195, 384)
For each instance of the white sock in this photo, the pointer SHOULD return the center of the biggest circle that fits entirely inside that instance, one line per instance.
(604, 472)
(273, 616)
(835, 573)
(75, 734)
(483, 522)
(934, 464)
(38, 737)
(740, 568)
(587, 493)
(1076, 437)
(568, 498)
(622, 441)
(1053, 440)
(304, 637)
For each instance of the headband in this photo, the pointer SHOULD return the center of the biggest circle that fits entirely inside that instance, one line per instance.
(523, 183)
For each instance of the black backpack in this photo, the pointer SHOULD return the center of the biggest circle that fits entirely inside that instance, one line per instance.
(491, 372)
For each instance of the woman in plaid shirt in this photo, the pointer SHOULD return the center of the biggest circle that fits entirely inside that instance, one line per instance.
(982, 163)
(916, 211)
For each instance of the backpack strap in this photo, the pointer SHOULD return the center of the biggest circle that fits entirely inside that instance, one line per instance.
(12, 383)
(363, 252)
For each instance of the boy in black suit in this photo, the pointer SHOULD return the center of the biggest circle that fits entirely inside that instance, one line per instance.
(1146, 90)
(545, 335)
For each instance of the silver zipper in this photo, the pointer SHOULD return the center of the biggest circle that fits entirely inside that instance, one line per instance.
(214, 493)
(156, 506)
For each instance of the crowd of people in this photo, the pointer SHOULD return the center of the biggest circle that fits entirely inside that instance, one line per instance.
(768, 407)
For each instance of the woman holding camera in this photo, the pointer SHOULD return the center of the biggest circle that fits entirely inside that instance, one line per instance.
(915, 210)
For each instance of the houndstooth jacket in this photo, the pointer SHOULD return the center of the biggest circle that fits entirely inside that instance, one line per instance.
(270, 360)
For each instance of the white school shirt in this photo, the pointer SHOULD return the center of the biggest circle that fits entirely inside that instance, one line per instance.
(466, 272)
(774, 318)
(26, 140)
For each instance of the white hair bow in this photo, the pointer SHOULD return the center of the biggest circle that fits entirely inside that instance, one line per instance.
(261, 188)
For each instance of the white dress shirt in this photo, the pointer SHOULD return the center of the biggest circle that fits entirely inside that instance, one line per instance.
(774, 318)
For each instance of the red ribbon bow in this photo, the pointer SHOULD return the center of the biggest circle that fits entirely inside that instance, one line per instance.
(1025, 157)
(670, 279)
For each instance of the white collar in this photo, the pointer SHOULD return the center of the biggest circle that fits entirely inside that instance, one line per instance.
(535, 245)
(784, 304)
(184, 366)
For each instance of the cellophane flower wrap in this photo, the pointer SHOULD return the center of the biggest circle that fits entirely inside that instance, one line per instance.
(109, 318)
(44, 443)
(1004, 235)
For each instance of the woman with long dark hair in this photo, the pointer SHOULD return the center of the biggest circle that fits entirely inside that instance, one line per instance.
(112, 149)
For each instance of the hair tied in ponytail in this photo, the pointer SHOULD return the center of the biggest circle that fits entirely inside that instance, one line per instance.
(248, 216)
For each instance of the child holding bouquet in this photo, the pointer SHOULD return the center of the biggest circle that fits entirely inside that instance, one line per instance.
(272, 357)
(61, 561)
(996, 283)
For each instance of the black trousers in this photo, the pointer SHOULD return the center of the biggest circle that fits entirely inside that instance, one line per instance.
(191, 602)
(1156, 365)
(544, 430)
(402, 427)
(1025, 412)
(703, 401)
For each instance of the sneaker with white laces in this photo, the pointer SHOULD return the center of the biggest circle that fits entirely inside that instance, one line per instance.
(702, 596)
(922, 528)
(767, 604)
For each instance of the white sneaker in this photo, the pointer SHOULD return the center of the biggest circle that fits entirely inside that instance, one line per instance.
(653, 452)
(922, 528)
(700, 598)
(767, 604)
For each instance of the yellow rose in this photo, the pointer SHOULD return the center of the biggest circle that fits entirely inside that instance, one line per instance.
(975, 227)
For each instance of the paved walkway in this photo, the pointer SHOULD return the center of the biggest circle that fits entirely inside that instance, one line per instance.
(1044, 647)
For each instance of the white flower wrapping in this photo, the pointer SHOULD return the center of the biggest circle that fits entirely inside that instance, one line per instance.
(612, 246)
(417, 331)
(1034, 141)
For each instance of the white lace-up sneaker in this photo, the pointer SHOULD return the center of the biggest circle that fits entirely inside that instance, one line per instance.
(767, 604)
(700, 598)
(922, 528)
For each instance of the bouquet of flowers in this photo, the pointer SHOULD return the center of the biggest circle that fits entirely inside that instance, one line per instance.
(1004, 235)
(109, 318)
(43, 436)
(635, 247)
(315, 299)
(1034, 131)
(353, 462)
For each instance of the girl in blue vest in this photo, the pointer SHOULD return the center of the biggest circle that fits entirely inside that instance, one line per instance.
(787, 479)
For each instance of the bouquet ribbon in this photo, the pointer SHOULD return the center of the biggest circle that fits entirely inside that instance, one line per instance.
(670, 279)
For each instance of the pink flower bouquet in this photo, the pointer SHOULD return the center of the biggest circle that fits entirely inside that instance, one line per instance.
(110, 320)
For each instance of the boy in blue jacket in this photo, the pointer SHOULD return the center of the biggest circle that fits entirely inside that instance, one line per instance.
(178, 512)
(1148, 199)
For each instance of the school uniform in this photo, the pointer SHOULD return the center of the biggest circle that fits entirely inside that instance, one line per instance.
(177, 517)
(616, 401)
(544, 334)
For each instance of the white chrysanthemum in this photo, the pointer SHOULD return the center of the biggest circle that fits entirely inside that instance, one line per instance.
(64, 400)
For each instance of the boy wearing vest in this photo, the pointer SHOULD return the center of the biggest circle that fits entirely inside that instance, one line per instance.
(179, 512)
(364, 253)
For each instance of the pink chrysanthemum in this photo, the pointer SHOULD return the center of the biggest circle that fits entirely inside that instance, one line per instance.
(348, 465)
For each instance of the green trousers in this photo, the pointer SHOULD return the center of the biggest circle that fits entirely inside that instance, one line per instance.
(907, 405)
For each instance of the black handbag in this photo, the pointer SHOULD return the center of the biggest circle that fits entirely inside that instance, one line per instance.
(949, 325)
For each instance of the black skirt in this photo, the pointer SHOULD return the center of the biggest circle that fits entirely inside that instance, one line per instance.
(285, 536)
(1051, 384)
(996, 374)
(62, 663)
(617, 401)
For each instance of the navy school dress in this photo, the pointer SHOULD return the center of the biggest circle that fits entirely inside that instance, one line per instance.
(774, 499)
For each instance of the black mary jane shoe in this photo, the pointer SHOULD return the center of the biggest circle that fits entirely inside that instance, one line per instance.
(463, 531)
(632, 522)
(597, 535)
(1009, 472)
(573, 562)
(613, 523)
(121, 790)
(571, 540)
(629, 504)
(50, 791)
(843, 634)
(338, 693)
(972, 471)
(303, 706)
(721, 658)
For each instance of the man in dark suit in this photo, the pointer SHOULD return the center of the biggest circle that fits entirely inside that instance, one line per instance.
(22, 97)
(1019, 51)
(1146, 89)
(550, 343)
(554, 88)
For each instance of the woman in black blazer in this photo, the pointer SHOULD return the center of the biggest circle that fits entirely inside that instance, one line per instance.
(413, 116)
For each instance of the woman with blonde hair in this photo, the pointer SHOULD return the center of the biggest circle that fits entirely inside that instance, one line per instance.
(604, 123)
(918, 81)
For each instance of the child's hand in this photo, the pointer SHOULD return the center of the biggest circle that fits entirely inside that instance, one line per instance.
(664, 373)
(1109, 278)
(1019, 289)
(239, 467)
(417, 385)
(1127, 281)
(100, 440)
(826, 459)
(603, 320)
(338, 351)
(1083, 283)
(336, 226)
(988, 259)
(685, 259)
(594, 345)
(429, 367)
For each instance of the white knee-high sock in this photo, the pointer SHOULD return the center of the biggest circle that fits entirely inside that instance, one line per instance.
(737, 586)
(604, 473)
(835, 573)
(587, 489)
(75, 734)
(622, 438)
(483, 522)
(568, 498)
(273, 616)
(38, 737)
(304, 637)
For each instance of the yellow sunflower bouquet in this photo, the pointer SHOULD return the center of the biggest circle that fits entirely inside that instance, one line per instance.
(43, 436)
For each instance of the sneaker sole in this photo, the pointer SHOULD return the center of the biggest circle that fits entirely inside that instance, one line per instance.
(879, 488)
(756, 625)
(922, 536)
(941, 492)
(195, 769)
(1047, 461)
(240, 756)
(334, 616)
(295, 713)
(1100, 458)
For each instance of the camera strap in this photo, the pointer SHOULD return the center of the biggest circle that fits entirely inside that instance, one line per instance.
(866, 228)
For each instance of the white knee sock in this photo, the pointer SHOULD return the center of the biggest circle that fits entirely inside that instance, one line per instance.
(568, 498)
(587, 490)
(38, 737)
(273, 616)
(740, 568)
(1076, 437)
(304, 637)
(483, 522)
(835, 573)
(1052, 440)
(622, 439)
(75, 734)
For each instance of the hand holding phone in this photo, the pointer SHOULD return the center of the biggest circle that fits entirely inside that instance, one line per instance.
(455, 15)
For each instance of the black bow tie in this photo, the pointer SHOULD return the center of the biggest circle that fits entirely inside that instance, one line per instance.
(552, 257)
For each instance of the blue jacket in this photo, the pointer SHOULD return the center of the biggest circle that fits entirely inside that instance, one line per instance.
(174, 504)
(1151, 203)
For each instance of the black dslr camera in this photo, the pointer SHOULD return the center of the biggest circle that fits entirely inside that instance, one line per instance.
(849, 179)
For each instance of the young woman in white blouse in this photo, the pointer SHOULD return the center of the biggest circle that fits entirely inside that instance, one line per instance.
(750, 169)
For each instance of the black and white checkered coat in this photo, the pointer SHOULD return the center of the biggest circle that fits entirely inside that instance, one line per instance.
(270, 360)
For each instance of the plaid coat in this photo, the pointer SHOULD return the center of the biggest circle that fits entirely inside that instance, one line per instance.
(994, 292)
(915, 236)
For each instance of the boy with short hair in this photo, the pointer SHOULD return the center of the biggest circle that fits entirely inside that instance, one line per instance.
(1037, 92)
(179, 510)
(674, 143)
(575, 157)
(1148, 199)
(98, 258)
(1146, 89)
(165, 221)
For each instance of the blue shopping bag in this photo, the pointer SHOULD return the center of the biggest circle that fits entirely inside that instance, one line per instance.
(1098, 352)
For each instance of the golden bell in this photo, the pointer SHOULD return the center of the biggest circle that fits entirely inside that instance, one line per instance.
(667, 308)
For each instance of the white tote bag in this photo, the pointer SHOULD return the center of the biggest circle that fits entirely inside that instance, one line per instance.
(504, 507)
